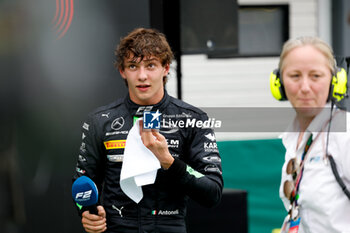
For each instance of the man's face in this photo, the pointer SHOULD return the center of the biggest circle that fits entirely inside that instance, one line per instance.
(145, 79)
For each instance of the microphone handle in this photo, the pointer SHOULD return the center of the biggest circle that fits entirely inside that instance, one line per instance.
(93, 209)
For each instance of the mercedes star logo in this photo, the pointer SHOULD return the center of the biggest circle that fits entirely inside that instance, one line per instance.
(118, 123)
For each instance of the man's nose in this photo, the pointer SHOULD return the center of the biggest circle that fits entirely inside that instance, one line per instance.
(142, 74)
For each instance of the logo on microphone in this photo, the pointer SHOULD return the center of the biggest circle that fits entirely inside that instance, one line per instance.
(151, 120)
(83, 196)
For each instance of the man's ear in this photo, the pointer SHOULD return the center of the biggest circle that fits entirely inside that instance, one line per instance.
(122, 73)
(167, 68)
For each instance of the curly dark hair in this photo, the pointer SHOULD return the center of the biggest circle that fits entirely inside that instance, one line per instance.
(143, 42)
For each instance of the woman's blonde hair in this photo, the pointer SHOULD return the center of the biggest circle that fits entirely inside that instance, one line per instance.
(316, 42)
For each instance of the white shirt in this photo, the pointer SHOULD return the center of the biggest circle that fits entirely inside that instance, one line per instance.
(323, 206)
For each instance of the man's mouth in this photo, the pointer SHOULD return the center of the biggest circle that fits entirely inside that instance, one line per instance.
(143, 87)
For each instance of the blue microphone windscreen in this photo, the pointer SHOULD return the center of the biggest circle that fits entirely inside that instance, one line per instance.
(84, 191)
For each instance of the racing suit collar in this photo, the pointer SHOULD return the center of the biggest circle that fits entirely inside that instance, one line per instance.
(137, 110)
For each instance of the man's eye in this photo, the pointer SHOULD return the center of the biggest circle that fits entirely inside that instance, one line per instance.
(132, 67)
(151, 65)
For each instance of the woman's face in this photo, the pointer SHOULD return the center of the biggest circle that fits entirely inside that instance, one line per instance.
(306, 77)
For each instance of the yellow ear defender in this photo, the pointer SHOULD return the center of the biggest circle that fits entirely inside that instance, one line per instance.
(276, 86)
(339, 85)
(338, 88)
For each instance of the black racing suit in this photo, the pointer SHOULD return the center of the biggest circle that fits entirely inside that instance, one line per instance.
(195, 173)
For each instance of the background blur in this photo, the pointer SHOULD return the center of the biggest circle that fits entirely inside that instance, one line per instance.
(56, 65)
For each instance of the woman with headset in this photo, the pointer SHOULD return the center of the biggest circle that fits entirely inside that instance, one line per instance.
(316, 172)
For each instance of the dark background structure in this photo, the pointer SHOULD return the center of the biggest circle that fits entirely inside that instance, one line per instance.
(48, 85)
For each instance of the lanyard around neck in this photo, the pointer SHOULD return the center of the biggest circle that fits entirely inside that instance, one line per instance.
(300, 175)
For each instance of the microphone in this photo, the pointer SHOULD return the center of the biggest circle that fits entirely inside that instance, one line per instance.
(85, 193)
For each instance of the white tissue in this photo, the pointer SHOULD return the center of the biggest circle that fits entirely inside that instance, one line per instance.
(139, 166)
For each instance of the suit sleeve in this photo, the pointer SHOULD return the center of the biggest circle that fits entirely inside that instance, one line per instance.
(201, 174)
(89, 161)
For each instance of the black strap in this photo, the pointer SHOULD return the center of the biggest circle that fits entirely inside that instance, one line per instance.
(337, 177)
(331, 160)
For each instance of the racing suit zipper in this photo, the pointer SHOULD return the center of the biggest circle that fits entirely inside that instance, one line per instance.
(139, 218)
(157, 209)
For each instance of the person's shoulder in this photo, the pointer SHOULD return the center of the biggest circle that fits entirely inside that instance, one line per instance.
(345, 118)
(340, 125)
(182, 105)
(105, 108)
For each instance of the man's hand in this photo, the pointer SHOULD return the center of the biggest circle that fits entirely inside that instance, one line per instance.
(156, 143)
(93, 223)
